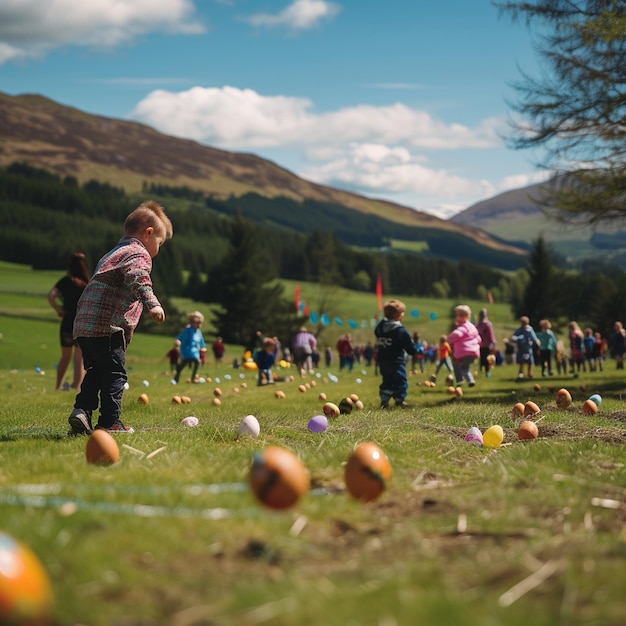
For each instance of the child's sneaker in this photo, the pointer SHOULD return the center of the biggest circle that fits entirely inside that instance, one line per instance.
(80, 422)
(118, 427)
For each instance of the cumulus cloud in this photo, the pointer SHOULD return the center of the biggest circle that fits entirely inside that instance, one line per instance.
(300, 15)
(31, 28)
(371, 150)
(372, 168)
(241, 119)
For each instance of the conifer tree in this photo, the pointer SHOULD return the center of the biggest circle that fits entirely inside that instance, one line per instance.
(575, 110)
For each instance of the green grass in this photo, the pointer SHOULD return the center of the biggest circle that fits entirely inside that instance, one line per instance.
(179, 539)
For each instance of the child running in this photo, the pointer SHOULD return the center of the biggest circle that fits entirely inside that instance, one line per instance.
(465, 342)
(108, 313)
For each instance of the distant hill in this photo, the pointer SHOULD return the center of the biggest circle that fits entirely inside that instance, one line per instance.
(68, 142)
(516, 217)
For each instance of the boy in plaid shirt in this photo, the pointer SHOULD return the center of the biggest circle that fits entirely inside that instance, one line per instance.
(108, 312)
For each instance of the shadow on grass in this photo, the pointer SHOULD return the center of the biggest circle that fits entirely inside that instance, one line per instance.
(35, 432)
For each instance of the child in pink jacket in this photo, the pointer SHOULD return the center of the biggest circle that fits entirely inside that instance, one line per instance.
(465, 342)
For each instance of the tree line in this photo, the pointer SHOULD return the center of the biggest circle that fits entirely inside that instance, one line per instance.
(231, 262)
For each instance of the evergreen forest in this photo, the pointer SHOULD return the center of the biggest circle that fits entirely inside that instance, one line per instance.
(216, 243)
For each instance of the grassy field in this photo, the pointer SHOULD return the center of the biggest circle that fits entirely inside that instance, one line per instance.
(530, 533)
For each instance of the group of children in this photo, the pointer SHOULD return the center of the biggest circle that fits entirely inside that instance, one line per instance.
(394, 340)
(113, 299)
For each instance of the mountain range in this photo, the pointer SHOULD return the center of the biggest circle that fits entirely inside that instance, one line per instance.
(69, 142)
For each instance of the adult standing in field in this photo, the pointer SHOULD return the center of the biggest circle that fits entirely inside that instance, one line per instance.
(618, 345)
(63, 298)
(487, 341)
(303, 343)
(526, 340)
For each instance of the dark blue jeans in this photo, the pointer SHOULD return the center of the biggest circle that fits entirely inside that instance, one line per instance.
(394, 384)
(104, 359)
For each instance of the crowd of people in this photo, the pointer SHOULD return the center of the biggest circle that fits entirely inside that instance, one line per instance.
(99, 314)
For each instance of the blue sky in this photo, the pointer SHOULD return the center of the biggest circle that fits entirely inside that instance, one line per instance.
(397, 99)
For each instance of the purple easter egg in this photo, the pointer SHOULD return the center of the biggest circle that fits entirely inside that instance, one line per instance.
(318, 424)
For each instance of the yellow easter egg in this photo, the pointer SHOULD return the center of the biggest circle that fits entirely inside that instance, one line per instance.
(493, 437)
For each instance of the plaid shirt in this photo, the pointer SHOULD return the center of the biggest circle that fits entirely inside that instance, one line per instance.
(117, 293)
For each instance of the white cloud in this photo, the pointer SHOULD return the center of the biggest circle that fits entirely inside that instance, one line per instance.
(376, 151)
(241, 119)
(300, 15)
(523, 180)
(30, 28)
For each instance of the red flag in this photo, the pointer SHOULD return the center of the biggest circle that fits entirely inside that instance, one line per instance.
(296, 296)
(379, 291)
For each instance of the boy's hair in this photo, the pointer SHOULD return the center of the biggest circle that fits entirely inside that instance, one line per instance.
(196, 315)
(268, 342)
(148, 213)
(462, 310)
(545, 324)
(443, 338)
(524, 320)
(393, 309)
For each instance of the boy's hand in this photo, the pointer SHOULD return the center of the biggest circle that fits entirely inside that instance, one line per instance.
(157, 314)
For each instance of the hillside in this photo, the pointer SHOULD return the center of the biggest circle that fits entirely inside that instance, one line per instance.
(66, 141)
(515, 216)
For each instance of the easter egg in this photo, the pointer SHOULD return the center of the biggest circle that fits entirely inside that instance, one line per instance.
(143, 398)
(451, 390)
(590, 407)
(359, 405)
(278, 478)
(217, 392)
(250, 426)
(354, 397)
(493, 436)
(346, 406)
(367, 472)
(318, 424)
(101, 448)
(596, 398)
(518, 409)
(217, 402)
(537, 387)
(528, 430)
(458, 392)
(563, 398)
(302, 388)
(177, 400)
(330, 410)
(185, 399)
(322, 396)
(25, 589)
(530, 409)
(190, 421)
(474, 436)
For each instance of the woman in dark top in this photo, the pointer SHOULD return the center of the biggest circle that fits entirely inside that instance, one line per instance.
(63, 298)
